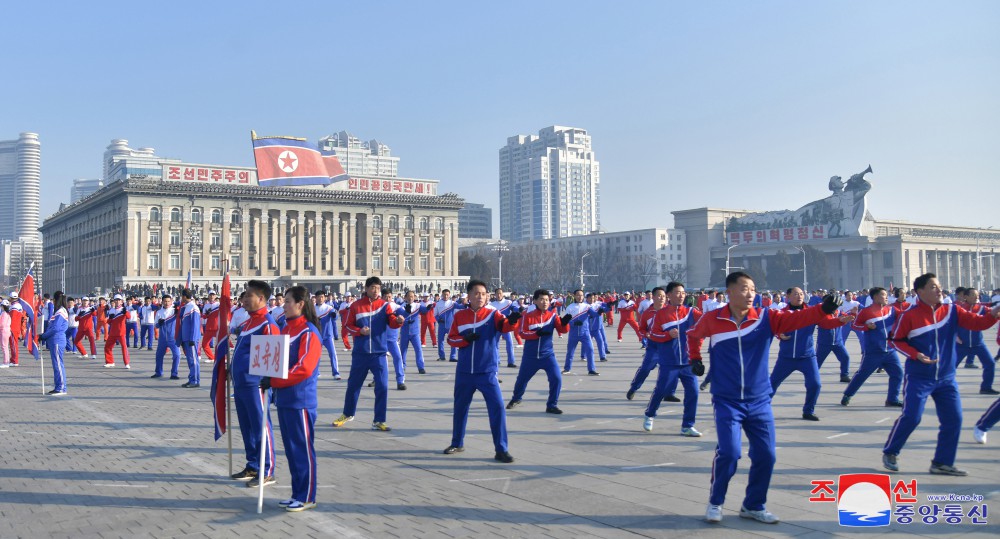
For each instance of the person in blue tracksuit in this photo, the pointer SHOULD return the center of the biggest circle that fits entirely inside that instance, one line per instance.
(54, 338)
(132, 322)
(71, 312)
(368, 321)
(970, 344)
(505, 307)
(925, 334)
(190, 336)
(988, 420)
(147, 319)
(392, 343)
(327, 324)
(797, 353)
(414, 310)
(668, 338)
(476, 332)
(878, 351)
(252, 403)
(649, 358)
(581, 315)
(295, 397)
(166, 322)
(536, 328)
(444, 313)
(597, 325)
(740, 342)
(832, 341)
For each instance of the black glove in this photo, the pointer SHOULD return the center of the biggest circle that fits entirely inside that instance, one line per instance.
(441, 320)
(544, 332)
(512, 318)
(265, 383)
(832, 302)
(566, 318)
(408, 308)
(470, 336)
(578, 323)
(159, 323)
(697, 367)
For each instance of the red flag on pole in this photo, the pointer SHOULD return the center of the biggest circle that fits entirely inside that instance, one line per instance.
(220, 373)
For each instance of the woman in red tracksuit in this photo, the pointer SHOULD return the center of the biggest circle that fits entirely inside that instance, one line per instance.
(295, 397)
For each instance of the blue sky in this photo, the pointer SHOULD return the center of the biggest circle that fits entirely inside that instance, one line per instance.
(726, 104)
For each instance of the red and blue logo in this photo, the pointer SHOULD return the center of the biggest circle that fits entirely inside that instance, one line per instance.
(864, 500)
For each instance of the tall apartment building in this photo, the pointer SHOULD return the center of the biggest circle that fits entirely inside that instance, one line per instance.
(359, 158)
(475, 221)
(20, 186)
(83, 188)
(549, 185)
(122, 162)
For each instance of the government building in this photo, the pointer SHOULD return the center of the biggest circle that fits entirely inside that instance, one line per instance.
(158, 222)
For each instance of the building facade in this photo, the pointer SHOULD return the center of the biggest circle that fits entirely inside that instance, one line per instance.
(475, 221)
(147, 231)
(122, 162)
(20, 185)
(359, 158)
(549, 185)
(83, 188)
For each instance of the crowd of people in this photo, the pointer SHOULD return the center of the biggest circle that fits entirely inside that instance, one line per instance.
(935, 332)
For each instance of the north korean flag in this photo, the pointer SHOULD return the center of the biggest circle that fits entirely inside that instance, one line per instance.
(333, 167)
(286, 161)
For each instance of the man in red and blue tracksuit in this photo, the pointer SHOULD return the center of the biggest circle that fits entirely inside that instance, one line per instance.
(668, 337)
(741, 390)
(832, 341)
(327, 329)
(925, 334)
(251, 402)
(444, 314)
(166, 323)
(796, 353)
(970, 344)
(649, 357)
(368, 321)
(581, 313)
(536, 328)
(475, 332)
(505, 306)
(877, 350)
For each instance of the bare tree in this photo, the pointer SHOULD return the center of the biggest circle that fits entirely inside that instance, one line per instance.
(675, 272)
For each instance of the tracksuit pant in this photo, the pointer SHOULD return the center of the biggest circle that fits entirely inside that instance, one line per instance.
(343, 335)
(508, 338)
(842, 356)
(132, 328)
(531, 363)
(251, 403)
(443, 338)
(194, 369)
(109, 348)
(5, 345)
(990, 418)
(949, 412)
(297, 428)
(427, 327)
(466, 385)
(418, 353)
(330, 343)
(968, 354)
(361, 365)
(56, 348)
(70, 337)
(206, 345)
(646, 367)
(628, 322)
(89, 334)
(397, 361)
(671, 373)
(146, 335)
(588, 351)
(810, 370)
(161, 349)
(889, 362)
(754, 418)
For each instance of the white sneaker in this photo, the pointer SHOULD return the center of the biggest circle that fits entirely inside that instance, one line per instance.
(713, 513)
(108, 365)
(647, 425)
(979, 435)
(690, 432)
(759, 516)
(128, 367)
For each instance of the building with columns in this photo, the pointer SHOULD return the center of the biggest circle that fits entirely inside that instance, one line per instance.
(154, 229)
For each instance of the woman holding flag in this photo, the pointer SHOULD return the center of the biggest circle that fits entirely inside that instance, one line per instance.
(55, 340)
(295, 397)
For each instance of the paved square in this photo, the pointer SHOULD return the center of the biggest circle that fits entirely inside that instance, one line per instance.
(128, 456)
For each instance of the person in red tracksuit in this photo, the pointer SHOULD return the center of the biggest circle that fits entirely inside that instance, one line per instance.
(427, 323)
(211, 314)
(116, 316)
(611, 301)
(345, 308)
(626, 313)
(85, 330)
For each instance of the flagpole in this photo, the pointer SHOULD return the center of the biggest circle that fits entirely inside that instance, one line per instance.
(229, 412)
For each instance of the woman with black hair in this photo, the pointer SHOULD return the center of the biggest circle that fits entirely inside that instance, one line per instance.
(55, 339)
(295, 396)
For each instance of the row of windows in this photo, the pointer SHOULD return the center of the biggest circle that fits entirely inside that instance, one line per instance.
(174, 261)
(392, 261)
(393, 223)
(196, 215)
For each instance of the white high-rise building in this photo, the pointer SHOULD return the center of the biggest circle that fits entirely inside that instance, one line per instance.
(549, 185)
(359, 158)
(20, 186)
(122, 162)
(83, 188)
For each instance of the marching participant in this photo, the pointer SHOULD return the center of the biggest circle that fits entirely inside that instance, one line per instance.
(444, 313)
(412, 328)
(970, 344)
(668, 338)
(101, 312)
(925, 334)
(988, 420)
(475, 333)
(392, 344)
(147, 319)
(190, 333)
(740, 341)
(342, 310)
(597, 326)
(116, 315)
(579, 333)
(72, 324)
(876, 321)
(132, 322)
(505, 306)
(166, 323)
(427, 322)
(55, 340)
(209, 326)
(536, 328)
(649, 357)
(626, 311)
(18, 326)
(277, 310)
(327, 322)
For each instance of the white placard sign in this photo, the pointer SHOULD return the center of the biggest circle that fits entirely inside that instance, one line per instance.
(269, 355)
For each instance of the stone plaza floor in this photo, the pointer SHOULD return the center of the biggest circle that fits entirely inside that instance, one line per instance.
(124, 455)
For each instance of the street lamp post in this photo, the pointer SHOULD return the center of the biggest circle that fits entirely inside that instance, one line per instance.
(63, 280)
(585, 255)
(805, 274)
(979, 258)
(729, 250)
(194, 242)
(500, 248)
